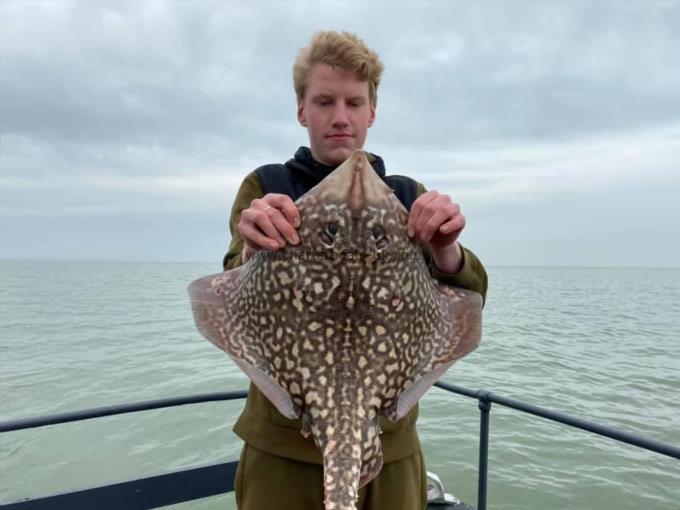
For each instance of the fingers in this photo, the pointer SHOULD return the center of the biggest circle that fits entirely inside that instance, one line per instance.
(284, 216)
(270, 222)
(417, 209)
(258, 230)
(286, 205)
(433, 214)
(456, 224)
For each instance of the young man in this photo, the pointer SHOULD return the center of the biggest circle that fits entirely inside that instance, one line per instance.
(336, 78)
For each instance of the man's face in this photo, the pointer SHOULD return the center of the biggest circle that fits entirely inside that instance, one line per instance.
(337, 113)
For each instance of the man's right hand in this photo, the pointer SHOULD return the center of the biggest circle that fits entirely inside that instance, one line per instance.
(269, 223)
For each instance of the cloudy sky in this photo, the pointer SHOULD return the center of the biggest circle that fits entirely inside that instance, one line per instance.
(126, 127)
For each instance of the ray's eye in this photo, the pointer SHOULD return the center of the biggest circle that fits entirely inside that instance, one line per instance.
(327, 235)
(380, 237)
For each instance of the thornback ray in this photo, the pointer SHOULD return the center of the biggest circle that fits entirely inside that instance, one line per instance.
(344, 327)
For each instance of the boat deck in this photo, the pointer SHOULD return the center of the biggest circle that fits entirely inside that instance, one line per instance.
(156, 492)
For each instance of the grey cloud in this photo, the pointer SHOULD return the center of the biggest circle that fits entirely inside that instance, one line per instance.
(115, 71)
(170, 73)
(144, 90)
(139, 76)
(535, 70)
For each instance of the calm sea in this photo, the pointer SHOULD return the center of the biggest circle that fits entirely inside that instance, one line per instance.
(602, 344)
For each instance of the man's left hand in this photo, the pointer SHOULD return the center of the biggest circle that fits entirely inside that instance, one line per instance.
(436, 220)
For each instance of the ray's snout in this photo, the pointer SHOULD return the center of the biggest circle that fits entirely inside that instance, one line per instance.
(354, 183)
(357, 194)
(357, 183)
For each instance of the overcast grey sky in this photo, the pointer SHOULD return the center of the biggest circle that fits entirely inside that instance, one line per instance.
(126, 127)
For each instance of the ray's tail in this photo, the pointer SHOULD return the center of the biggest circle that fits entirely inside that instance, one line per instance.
(341, 474)
(352, 458)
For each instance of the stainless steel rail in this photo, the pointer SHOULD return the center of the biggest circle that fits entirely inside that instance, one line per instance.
(486, 398)
(207, 481)
(98, 412)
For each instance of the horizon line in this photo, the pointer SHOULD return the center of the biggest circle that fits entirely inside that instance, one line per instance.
(155, 261)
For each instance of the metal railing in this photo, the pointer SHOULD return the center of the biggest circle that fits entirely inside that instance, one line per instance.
(98, 412)
(209, 480)
(486, 398)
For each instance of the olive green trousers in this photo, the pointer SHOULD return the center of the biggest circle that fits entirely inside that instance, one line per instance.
(265, 481)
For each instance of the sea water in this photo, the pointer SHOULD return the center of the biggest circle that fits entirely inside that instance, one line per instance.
(600, 344)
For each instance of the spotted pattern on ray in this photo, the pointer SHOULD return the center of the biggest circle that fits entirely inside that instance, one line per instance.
(344, 327)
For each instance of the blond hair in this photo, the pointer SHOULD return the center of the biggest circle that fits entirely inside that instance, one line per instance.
(343, 51)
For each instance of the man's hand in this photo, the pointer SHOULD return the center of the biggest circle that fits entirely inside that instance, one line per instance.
(269, 223)
(436, 220)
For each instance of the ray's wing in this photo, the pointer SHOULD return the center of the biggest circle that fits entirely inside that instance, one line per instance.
(220, 317)
(214, 310)
(457, 333)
